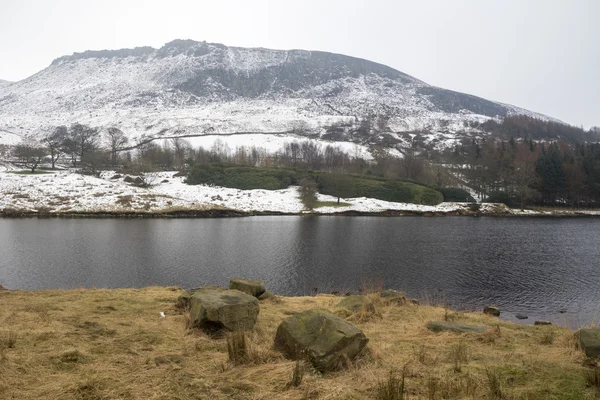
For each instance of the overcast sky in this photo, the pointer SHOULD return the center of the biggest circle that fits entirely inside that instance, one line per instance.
(542, 55)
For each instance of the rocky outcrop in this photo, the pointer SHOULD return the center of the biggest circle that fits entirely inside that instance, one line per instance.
(221, 309)
(325, 339)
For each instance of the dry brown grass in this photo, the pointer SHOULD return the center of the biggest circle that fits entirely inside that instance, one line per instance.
(112, 344)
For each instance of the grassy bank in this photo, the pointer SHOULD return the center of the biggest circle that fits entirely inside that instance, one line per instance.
(246, 178)
(112, 344)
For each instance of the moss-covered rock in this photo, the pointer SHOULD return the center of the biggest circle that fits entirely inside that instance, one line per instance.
(253, 287)
(492, 310)
(442, 326)
(267, 295)
(325, 339)
(217, 309)
(183, 301)
(589, 340)
(356, 304)
(393, 297)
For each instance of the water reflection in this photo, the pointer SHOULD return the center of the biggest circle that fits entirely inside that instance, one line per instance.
(531, 266)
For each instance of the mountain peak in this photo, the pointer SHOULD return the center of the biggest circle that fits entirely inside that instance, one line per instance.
(188, 88)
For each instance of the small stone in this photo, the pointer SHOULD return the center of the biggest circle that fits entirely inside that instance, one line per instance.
(562, 311)
(415, 302)
(542, 323)
(492, 310)
(521, 316)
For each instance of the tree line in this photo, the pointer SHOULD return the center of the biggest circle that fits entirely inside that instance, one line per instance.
(523, 172)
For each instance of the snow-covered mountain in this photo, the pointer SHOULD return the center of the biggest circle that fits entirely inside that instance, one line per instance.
(189, 88)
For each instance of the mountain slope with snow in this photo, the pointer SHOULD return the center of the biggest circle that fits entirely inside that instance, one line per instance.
(189, 88)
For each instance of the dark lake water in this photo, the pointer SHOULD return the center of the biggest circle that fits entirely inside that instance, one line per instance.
(535, 266)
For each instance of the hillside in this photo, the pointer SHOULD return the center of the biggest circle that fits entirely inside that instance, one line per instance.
(198, 88)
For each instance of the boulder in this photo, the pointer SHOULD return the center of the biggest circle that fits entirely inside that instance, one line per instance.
(542, 323)
(393, 297)
(267, 294)
(183, 301)
(357, 303)
(521, 316)
(589, 340)
(128, 179)
(492, 310)
(327, 340)
(415, 302)
(222, 309)
(252, 287)
(441, 326)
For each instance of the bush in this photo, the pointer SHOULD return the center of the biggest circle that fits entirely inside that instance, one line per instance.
(456, 194)
(502, 197)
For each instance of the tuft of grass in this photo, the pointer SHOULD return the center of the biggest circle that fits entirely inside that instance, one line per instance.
(592, 378)
(494, 383)
(547, 337)
(459, 355)
(391, 388)
(8, 340)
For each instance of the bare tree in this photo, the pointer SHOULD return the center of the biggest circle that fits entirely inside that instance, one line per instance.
(85, 137)
(116, 141)
(31, 155)
(54, 142)
(180, 147)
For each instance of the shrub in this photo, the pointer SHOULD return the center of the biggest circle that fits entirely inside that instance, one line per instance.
(456, 194)
(502, 197)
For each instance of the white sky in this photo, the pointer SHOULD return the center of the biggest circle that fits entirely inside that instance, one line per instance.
(543, 55)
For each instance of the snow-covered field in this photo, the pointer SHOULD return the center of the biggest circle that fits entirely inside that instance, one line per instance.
(69, 192)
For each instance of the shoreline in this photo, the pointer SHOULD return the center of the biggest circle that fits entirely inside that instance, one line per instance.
(232, 213)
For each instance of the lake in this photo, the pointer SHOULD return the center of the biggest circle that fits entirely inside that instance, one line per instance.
(534, 266)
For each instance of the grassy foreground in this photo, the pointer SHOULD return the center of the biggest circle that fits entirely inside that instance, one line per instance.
(112, 344)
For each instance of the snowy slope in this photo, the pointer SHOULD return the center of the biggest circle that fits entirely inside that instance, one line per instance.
(197, 88)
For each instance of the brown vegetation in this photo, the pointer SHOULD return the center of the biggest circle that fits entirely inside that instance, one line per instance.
(113, 344)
